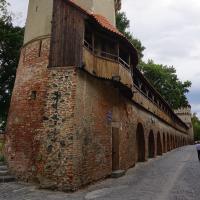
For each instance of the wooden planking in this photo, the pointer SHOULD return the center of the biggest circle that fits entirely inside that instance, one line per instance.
(126, 76)
(104, 68)
(88, 60)
(67, 35)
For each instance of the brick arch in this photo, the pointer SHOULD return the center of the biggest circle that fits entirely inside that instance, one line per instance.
(171, 142)
(180, 142)
(186, 142)
(183, 141)
(172, 139)
(159, 144)
(174, 142)
(164, 143)
(168, 142)
(151, 145)
(140, 143)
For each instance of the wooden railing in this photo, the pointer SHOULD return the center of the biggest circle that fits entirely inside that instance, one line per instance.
(121, 61)
(107, 55)
(88, 46)
(160, 102)
(106, 67)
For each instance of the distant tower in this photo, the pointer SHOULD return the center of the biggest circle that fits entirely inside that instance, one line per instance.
(185, 115)
(40, 15)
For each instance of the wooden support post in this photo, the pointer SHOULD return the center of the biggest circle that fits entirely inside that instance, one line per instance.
(129, 60)
(118, 51)
(93, 40)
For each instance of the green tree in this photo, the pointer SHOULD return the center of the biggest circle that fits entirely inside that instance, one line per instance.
(196, 126)
(11, 39)
(123, 24)
(162, 77)
(165, 81)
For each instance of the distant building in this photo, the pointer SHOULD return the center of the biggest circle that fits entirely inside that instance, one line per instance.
(185, 115)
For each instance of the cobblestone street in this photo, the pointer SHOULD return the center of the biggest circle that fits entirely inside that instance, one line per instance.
(174, 176)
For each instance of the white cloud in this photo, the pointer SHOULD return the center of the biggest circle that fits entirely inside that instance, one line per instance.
(19, 9)
(170, 32)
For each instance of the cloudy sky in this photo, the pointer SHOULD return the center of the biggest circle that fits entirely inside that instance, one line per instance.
(169, 29)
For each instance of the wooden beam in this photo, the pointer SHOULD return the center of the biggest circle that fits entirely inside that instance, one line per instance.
(93, 41)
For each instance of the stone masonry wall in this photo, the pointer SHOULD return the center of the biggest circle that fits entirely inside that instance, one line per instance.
(96, 99)
(59, 129)
(56, 155)
(26, 108)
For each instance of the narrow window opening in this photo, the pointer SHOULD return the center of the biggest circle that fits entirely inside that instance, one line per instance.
(40, 49)
(33, 95)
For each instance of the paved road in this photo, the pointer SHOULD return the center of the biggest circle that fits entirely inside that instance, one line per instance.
(174, 176)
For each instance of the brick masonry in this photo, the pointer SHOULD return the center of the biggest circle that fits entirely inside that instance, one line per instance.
(2, 138)
(59, 130)
(27, 108)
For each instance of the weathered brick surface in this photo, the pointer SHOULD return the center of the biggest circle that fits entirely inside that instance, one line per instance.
(2, 138)
(26, 111)
(94, 100)
(60, 124)
(56, 155)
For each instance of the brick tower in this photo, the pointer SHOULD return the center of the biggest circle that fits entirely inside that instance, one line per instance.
(80, 108)
(42, 143)
(40, 15)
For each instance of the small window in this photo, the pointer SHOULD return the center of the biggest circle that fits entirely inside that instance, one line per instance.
(33, 95)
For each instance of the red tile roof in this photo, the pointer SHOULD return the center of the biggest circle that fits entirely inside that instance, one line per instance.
(106, 24)
(99, 19)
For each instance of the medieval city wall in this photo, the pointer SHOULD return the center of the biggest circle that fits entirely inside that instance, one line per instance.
(99, 108)
(60, 124)
(80, 112)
